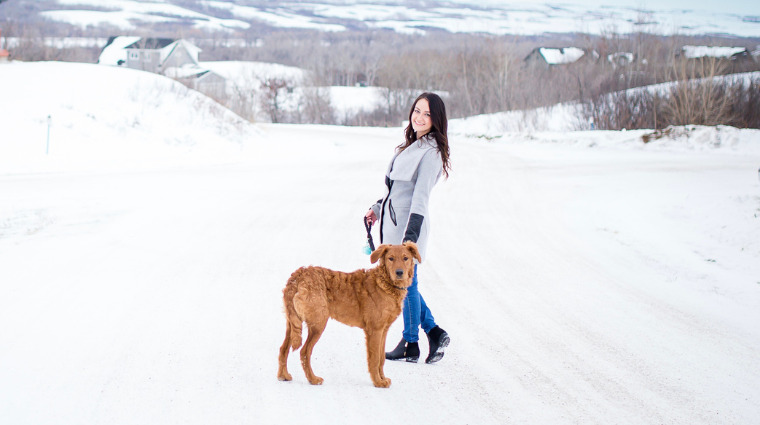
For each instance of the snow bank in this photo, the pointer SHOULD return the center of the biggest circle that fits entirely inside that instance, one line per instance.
(250, 75)
(561, 117)
(82, 115)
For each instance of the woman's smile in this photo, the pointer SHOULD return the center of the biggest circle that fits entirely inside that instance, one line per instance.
(421, 122)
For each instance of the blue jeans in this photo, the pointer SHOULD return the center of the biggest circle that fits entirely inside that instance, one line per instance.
(416, 313)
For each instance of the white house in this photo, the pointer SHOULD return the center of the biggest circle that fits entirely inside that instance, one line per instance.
(176, 59)
(550, 56)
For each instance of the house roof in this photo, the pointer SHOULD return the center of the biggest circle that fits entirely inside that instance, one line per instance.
(114, 51)
(150, 43)
(185, 71)
(694, 52)
(191, 48)
(562, 55)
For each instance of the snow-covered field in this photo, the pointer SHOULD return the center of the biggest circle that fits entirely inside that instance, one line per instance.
(458, 16)
(584, 277)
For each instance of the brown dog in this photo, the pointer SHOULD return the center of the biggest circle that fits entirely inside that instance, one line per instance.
(368, 299)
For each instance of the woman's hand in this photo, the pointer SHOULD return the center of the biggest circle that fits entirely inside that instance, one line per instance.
(370, 217)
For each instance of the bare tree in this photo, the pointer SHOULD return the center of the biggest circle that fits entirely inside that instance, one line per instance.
(317, 104)
(272, 98)
(698, 97)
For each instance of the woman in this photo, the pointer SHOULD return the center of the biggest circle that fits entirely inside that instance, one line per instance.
(403, 213)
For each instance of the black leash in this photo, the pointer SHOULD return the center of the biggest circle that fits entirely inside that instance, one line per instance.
(368, 226)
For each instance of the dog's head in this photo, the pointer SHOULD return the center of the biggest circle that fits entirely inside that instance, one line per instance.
(398, 262)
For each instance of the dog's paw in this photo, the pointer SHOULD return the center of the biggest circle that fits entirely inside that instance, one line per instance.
(285, 377)
(383, 383)
(316, 381)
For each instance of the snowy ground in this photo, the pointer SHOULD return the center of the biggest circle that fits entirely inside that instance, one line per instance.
(580, 282)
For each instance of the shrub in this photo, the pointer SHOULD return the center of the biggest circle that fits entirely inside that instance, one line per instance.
(707, 101)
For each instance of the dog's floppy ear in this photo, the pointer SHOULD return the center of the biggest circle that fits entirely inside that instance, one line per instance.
(412, 247)
(379, 252)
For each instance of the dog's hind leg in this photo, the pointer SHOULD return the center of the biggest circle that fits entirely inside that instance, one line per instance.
(376, 357)
(282, 371)
(316, 327)
(292, 328)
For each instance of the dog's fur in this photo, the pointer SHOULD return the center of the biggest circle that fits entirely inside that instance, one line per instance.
(369, 299)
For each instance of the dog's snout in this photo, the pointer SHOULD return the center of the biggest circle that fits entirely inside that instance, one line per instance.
(400, 273)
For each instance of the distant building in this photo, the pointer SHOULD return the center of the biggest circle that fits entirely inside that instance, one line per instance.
(621, 59)
(114, 53)
(149, 54)
(176, 59)
(718, 52)
(549, 56)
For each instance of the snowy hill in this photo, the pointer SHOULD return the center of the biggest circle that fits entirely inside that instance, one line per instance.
(591, 283)
(461, 16)
(132, 117)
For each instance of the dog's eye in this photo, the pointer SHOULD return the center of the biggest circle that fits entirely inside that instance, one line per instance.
(391, 259)
(406, 258)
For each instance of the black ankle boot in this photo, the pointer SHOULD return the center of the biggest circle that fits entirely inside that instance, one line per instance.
(409, 351)
(439, 340)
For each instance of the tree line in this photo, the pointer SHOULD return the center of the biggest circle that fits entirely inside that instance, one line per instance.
(477, 74)
(481, 74)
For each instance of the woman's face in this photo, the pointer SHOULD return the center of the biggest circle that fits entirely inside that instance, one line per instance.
(421, 122)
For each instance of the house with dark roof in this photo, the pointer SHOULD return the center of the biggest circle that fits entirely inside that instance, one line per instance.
(733, 59)
(555, 56)
(150, 54)
(177, 59)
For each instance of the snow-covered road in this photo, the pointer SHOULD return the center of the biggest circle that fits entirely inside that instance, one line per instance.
(578, 285)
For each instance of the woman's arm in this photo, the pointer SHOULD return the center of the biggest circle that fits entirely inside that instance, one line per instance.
(428, 171)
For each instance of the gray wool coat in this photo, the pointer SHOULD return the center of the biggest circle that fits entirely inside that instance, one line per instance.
(403, 212)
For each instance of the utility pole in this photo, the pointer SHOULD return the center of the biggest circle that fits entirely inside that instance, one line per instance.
(47, 145)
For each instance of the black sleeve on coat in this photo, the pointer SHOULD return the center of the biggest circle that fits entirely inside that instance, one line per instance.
(413, 228)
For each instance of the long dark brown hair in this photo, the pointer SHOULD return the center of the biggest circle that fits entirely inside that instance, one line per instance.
(438, 131)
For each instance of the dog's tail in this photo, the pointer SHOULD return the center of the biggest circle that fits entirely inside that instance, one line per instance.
(294, 328)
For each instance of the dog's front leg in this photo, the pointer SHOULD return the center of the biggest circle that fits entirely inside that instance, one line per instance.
(382, 351)
(376, 356)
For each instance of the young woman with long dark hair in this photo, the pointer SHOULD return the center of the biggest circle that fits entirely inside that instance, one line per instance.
(403, 213)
